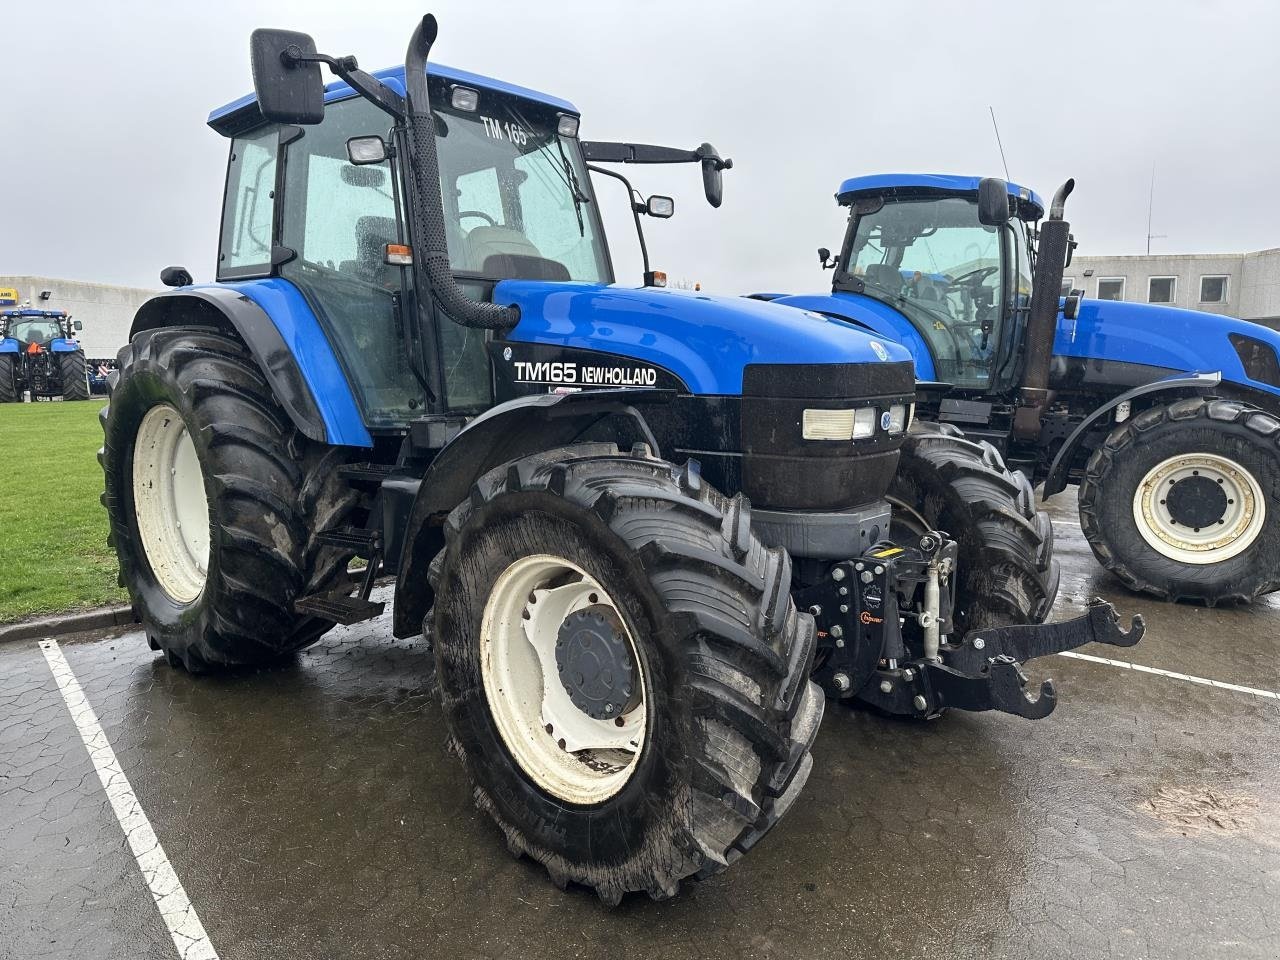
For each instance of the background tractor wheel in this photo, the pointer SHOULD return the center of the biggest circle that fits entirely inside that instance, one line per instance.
(75, 385)
(1178, 502)
(215, 501)
(9, 392)
(622, 669)
(1007, 573)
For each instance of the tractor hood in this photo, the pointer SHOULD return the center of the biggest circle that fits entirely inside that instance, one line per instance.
(1172, 339)
(706, 341)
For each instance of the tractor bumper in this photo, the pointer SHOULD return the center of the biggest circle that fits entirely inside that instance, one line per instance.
(985, 671)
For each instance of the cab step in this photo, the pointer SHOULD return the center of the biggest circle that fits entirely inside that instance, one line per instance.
(340, 609)
(371, 473)
(361, 542)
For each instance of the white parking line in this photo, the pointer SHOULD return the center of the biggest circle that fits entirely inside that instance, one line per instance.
(1203, 681)
(175, 909)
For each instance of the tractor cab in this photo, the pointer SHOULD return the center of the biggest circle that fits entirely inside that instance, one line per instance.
(919, 245)
(36, 330)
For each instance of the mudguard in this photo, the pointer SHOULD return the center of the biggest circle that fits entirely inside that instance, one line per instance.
(286, 341)
(63, 345)
(8, 345)
(1056, 481)
(503, 433)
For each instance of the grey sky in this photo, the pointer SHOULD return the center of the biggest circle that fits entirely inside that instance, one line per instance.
(109, 172)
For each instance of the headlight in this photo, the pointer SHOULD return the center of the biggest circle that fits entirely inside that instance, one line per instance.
(898, 418)
(838, 424)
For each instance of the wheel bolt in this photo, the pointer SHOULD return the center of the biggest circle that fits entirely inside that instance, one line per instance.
(920, 702)
(886, 686)
(842, 682)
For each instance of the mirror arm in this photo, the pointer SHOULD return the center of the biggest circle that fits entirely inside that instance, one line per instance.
(631, 202)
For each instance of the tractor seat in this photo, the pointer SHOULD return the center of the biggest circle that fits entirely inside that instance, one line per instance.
(485, 242)
(372, 236)
(884, 275)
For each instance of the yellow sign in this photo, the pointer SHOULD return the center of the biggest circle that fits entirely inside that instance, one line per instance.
(8, 297)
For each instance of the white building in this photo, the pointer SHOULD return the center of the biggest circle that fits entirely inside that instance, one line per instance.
(106, 311)
(1244, 285)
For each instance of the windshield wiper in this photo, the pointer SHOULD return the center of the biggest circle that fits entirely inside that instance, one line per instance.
(564, 169)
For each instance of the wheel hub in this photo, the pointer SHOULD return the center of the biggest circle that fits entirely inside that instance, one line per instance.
(595, 663)
(1199, 508)
(1196, 501)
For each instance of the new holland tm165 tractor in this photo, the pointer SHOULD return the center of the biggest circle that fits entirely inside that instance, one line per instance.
(632, 522)
(39, 354)
(1168, 419)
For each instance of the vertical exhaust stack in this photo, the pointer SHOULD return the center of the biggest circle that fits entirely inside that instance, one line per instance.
(1051, 261)
(426, 202)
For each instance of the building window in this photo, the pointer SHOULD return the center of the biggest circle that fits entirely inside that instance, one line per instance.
(1068, 284)
(1213, 289)
(1162, 289)
(1111, 288)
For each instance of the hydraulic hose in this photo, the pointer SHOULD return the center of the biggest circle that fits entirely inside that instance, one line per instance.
(431, 250)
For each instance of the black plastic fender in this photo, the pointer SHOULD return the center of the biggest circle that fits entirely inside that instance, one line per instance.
(1056, 480)
(501, 434)
(225, 308)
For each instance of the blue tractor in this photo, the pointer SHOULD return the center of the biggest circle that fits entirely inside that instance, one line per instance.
(632, 523)
(1166, 418)
(39, 355)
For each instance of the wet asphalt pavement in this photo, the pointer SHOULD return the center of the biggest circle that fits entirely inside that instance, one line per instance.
(312, 811)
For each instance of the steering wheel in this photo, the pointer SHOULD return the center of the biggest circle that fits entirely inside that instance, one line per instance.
(973, 278)
(478, 213)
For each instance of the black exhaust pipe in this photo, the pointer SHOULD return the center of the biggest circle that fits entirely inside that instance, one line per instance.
(430, 248)
(1051, 262)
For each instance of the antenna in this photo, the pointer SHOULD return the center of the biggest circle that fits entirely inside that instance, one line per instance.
(1151, 202)
(995, 126)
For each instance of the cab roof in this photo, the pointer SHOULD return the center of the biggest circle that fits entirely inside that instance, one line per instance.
(51, 314)
(1029, 203)
(241, 115)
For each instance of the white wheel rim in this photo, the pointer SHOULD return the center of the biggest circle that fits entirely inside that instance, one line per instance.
(1243, 517)
(562, 749)
(169, 503)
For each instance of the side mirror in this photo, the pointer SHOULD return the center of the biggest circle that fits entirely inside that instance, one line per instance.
(78, 325)
(362, 150)
(993, 202)
(824, 258)
(712, 180)
(289, 88)
(660, 207)
(176, 277)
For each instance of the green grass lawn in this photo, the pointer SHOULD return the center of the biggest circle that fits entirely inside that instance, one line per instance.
(53, 530)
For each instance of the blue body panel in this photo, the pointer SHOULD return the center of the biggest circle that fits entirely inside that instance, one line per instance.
(393, 77)
(1184, 340)
(307, 341)
(884, 182)
(705, 341)
(8, 345)
(62, 345)
(869, 313)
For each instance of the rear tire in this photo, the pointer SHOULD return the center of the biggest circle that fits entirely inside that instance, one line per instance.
(1006, 571)
(1135, 533)
(221, 596)
(71, 368)
(9, 392)
(724, 654)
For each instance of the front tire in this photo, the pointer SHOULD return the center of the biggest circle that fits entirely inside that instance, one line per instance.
(1180, 502)
(9, 378)
(1006, 572)
(723, 716)
(71, 370)
(214, 501)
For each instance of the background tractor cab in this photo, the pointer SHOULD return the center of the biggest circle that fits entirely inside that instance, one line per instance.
(39, 354)
(967, 274)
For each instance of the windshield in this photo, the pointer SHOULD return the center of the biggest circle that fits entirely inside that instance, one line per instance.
(935, 263)
(35, 331)
(517, 201)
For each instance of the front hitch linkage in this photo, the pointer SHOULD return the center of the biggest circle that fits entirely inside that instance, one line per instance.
(984, 672)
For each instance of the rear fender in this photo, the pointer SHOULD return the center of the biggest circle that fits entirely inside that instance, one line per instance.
(318, 399)
(1170, 388)
(62, 345)
(509, 431)
(9, 345)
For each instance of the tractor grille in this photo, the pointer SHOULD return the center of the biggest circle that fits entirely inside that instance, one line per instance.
(783, 471)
